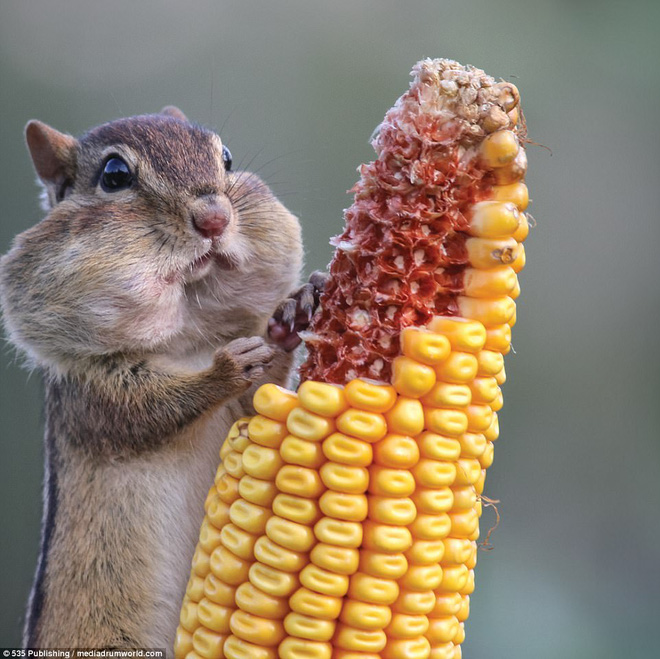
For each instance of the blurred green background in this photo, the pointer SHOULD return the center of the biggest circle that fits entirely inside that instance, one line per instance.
(296, 88)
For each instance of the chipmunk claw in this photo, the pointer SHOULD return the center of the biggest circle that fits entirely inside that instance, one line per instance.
(294, 314)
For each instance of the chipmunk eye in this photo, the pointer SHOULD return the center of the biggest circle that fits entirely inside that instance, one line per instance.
(226, 158)
(116, 175)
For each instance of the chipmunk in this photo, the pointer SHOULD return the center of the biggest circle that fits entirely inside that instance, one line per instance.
(148, 298)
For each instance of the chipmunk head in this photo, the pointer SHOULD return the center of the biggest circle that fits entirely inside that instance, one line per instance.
(151, 242)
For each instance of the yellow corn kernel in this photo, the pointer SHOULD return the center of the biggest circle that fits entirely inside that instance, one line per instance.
(208, 644)
(522, 231)
(487, 457)
(255, 629)
(520, 260)
(405, 625)
(515, 193)
(340, 505)
(472, 444)
(214, 616)
(490, 363)
(238, 541)
(296, 648)
(386, 510)
(261, 462)
(460, 635)
(484, 390)
(493, 431)
(479, 417)
(301, 452)
(415, 602)
(227, 487)
(411, 378)
(219, 592)
(489, 283)
(446, 421)
(515, 292)
(248, 516)
(313, 629)
(211, 495)
(344, 478)
(442, 630)
(425, 552)
(369, 396)
(499, 338)
(266, 432)
(432, 527)
(513, 172)
(200, 562)
(446, 604)
(406, 417)
(240, 442)
(468, 588)
(491, 312)
(340, 559)
(434, 473)
(459, 367)
(270, 553)
(396, 451)
(479, 485)
(338, 532)
(316, 605)
(321, 581)
(359, 640)
(257, 491)
(383, 537)
(188, 616)
(321, 398)
(438, 447)
(384, 481)
(273, 582)
(347, 450)
(365, 588)
(411, 648)
(309, 426)
(365, 616)
(499, 148)
(300, 481)
(386, 565)
(182, 642)
(464, 523)
(465, 496)
(454, 578)
(209, 536)
(457, 550)
(433, 500)
(463, 334)
(424, 346)
(251, 599)
(274, 402)
(369, 426)
(195, 588)
(297, 509)
(233, 464)
(291, 535)
(422, 577)
(228, 567)
(513, 319)
(487, 253)
(225, 449)
(238, 648)
(493, 219)
(463, 613)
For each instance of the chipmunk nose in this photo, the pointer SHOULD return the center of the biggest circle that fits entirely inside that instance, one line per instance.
(210, 218)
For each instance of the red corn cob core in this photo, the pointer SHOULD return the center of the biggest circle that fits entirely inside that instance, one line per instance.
(401, 257)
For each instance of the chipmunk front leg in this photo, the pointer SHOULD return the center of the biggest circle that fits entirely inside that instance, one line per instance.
(121, 406)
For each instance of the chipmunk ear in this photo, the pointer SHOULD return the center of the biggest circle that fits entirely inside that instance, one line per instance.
(53, 153)
(173, 111)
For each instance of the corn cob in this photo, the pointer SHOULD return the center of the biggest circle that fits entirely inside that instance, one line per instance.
(344, 517)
